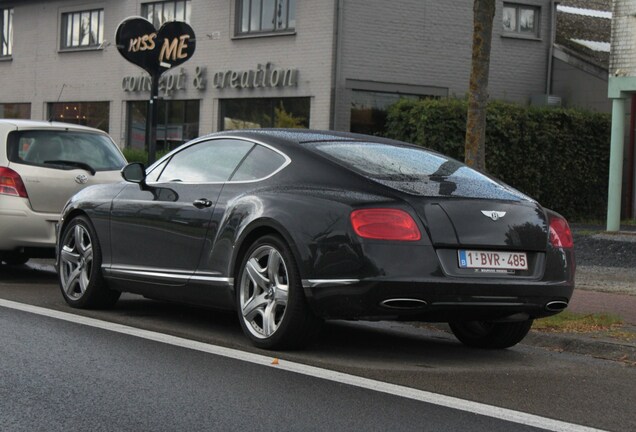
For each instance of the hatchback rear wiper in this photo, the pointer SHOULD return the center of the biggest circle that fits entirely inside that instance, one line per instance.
(82, 165)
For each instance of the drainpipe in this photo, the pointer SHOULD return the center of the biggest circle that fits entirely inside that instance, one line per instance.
(630, 159)
(616, 165)
(548, 80)
(337, 64)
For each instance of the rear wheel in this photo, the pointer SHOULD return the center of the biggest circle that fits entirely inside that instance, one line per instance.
(272, 307)
(80, 260)
(490, 335)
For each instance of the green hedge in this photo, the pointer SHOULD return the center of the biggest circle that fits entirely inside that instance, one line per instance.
(558, 156)
(137, 155)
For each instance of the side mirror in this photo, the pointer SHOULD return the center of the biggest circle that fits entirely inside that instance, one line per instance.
(134, 173)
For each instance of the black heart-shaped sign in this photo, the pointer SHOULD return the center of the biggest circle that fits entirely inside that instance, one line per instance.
(155, 51)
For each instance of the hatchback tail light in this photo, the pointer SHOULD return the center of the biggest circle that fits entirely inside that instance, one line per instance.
(560, 233)
(385, 224)
(11, 183)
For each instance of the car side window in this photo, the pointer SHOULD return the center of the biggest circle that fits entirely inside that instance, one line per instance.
(206, 162)
(261, 162)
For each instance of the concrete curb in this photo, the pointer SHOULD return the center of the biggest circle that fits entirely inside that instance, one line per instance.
(586, 344)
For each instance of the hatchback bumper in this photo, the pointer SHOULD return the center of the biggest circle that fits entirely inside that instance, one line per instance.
(21, 227)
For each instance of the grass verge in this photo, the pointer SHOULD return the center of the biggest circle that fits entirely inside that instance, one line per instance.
(600, 324)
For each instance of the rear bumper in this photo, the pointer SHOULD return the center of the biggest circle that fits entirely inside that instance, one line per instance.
(21, 227)
(435, 300)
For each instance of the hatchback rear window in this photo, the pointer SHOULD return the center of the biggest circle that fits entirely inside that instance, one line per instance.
(62, 149)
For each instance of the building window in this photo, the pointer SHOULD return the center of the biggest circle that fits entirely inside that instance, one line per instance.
(521, 19)
(161, 12)
(15, 110)
(177, 122)
(369, 110)
(265, 16)
(6, 38)
(83, 29)
(264, 113)
(93, 114)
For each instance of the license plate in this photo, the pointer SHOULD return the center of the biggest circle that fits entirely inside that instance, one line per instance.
(492, 260)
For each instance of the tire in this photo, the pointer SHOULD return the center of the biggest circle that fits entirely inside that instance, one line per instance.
(79, 269)
(14, 258)
(490, 335)
(271, 304)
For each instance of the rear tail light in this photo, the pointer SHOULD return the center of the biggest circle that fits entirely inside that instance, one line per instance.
(385, 224)
(560, 233)
(11, 183)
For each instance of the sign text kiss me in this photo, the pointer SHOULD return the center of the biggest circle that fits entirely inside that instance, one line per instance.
(171, 49)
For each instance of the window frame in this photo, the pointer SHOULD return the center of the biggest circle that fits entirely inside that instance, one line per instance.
(18, 106)
(187, 7)
(162, 163)
(66, 31)
(283, 31)
(6, 34)
(90, 107)
(517, 33)
(272, 101)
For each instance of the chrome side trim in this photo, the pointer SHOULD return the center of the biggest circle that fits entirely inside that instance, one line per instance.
(206, 278)
(315, 283)
(163, 275)
(495, 304)
(179, 275)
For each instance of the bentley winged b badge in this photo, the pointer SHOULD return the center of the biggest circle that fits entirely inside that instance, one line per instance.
(492, 214)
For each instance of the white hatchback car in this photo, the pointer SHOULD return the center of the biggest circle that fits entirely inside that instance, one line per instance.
(42, 164)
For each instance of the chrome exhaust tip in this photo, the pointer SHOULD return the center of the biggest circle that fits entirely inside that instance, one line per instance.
(403, 303)
(556, 306)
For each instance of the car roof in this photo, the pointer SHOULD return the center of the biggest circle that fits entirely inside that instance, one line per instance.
(298, 136)
(36, 124)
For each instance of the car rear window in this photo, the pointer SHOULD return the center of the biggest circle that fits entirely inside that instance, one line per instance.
(389, 162)
(59, 149)
(414, 170)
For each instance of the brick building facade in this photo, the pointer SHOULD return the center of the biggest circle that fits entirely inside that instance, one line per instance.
(343, 62)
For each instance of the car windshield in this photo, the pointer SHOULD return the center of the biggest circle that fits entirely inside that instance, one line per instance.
(415, 170)
(66, 149)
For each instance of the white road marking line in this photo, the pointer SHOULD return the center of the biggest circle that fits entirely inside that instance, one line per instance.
(312, 371)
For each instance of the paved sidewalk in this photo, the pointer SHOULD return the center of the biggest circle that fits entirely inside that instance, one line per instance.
(605, 283)
(605, 290)
(623, 305)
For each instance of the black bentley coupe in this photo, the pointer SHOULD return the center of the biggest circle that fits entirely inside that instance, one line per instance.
(291, 227)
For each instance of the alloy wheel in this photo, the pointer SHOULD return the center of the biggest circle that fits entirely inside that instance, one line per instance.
(76, 261)
(264, 289)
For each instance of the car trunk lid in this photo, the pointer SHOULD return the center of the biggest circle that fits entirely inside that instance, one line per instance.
(49, 188)
(491, 224)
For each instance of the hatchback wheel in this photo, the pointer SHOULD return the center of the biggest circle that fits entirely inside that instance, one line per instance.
(79, 271)
(14, 258)
(272, 307)
(491, 335)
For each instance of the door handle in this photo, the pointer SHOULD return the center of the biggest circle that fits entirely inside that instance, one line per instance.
(202, 203)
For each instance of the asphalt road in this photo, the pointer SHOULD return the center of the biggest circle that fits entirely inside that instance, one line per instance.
(61, 375)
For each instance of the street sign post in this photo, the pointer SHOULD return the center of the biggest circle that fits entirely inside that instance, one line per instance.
(155, 51)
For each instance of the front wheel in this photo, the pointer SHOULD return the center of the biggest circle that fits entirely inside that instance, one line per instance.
(272, 307)
(490, 335)
(79, 269)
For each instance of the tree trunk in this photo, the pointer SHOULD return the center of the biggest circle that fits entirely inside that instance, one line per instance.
(475, 146)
